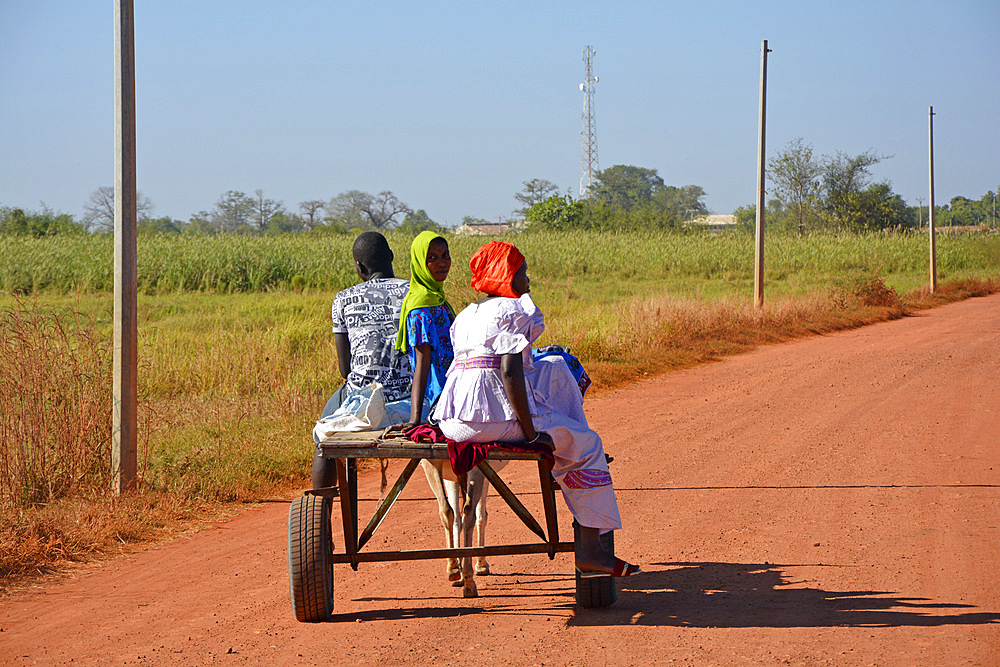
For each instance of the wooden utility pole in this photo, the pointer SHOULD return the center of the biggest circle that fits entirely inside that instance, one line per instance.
(123, 429)
(930, 213)
(758, 271)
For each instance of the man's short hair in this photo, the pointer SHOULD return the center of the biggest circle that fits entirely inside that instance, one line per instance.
(372, 250)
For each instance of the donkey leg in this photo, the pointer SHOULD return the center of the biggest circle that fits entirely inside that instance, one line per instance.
(432, 470)
(482, 567)
(468, 524)
(476, 518)
(456, 498)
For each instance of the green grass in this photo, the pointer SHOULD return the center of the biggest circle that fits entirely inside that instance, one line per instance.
(621, 264)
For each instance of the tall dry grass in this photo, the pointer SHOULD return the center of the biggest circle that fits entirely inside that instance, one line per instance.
(56, 503)
(55, 406)
(55, 431)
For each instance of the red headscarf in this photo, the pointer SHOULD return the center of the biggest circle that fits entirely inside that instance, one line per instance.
(493, 268)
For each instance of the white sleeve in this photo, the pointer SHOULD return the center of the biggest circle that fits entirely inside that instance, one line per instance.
(518, 327)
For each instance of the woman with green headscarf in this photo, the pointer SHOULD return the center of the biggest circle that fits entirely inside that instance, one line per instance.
(425, 321)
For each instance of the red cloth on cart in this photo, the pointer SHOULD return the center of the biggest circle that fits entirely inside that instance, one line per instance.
(466, 455)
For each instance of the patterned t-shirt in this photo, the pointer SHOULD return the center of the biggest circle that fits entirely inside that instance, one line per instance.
(431, 325)
(369, 314)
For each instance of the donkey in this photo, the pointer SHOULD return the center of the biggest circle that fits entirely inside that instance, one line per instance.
(461, 509)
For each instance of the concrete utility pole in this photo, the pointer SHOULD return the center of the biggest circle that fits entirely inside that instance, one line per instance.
(123, 427)
(758, 272)
(930, 213)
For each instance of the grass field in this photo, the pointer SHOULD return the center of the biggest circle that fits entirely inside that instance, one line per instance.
(682, 264)
(235, 363)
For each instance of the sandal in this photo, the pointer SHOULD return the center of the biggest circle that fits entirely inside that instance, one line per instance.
(621, 569)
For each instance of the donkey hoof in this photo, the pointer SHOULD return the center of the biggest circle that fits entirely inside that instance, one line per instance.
(470, 592)
(456, 582)
(455, 576)
(483, 569)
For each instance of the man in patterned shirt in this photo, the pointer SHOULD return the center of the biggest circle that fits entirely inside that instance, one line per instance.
(365, 324)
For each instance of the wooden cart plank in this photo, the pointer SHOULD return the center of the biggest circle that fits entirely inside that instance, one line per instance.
(424, 554)
(368, 445)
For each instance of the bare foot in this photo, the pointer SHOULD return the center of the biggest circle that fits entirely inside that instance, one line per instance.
(590, 554)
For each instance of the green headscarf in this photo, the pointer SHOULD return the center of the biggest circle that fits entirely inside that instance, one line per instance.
(424, 290)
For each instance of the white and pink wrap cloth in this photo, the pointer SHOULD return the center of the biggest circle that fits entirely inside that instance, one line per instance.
(473, 406)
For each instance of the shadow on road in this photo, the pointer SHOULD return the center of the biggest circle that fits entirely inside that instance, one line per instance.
(691, 594)
(746, 595)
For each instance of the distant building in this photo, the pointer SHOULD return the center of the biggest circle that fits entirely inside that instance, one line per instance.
(957, 229)
(715, 222)
(488, 229)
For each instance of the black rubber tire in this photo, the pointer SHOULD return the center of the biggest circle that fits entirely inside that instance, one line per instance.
(597, 591)
(310, 572)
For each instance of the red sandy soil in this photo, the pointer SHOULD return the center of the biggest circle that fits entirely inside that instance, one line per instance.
(832, 500)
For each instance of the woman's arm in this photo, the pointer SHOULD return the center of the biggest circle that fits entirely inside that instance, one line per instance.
(512, 374)
(419, 387)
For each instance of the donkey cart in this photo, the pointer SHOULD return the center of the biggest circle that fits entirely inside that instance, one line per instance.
(310, 542)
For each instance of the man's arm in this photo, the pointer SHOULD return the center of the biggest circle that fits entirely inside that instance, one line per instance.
(343, 345)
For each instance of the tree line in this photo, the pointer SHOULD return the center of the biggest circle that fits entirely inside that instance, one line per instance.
(807, 191)
(234, 212)
(621, 197)
(839, 192)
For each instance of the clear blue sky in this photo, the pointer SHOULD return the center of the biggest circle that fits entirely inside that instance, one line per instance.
(452, 105)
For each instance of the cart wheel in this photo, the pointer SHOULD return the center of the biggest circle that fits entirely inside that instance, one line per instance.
(597, 591)
(310, 572)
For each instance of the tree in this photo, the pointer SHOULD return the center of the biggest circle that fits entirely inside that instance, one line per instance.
(265, 209)
(384, 208)
(844, 177)
(795, 173)
(624, 186)
(558, 212)
(309, 210)
(418, 221)
(234, 211)
(683, 202)
(346, 209)
(100, 209)
(536, 190)
(284, 223)
(357, 209)
(46, 222)
(875, 207)
(200, 223)
(164, 225)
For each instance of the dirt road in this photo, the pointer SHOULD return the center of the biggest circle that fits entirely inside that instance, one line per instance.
(833, 500)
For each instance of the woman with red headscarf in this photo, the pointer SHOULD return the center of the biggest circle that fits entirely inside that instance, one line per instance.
(495, 393)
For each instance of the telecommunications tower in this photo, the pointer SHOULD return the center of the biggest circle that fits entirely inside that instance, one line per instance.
(588, 156)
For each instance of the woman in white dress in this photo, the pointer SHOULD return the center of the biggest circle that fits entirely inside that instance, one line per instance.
(494, 393)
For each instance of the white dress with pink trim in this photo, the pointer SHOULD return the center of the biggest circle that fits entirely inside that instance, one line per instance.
(473, 405)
